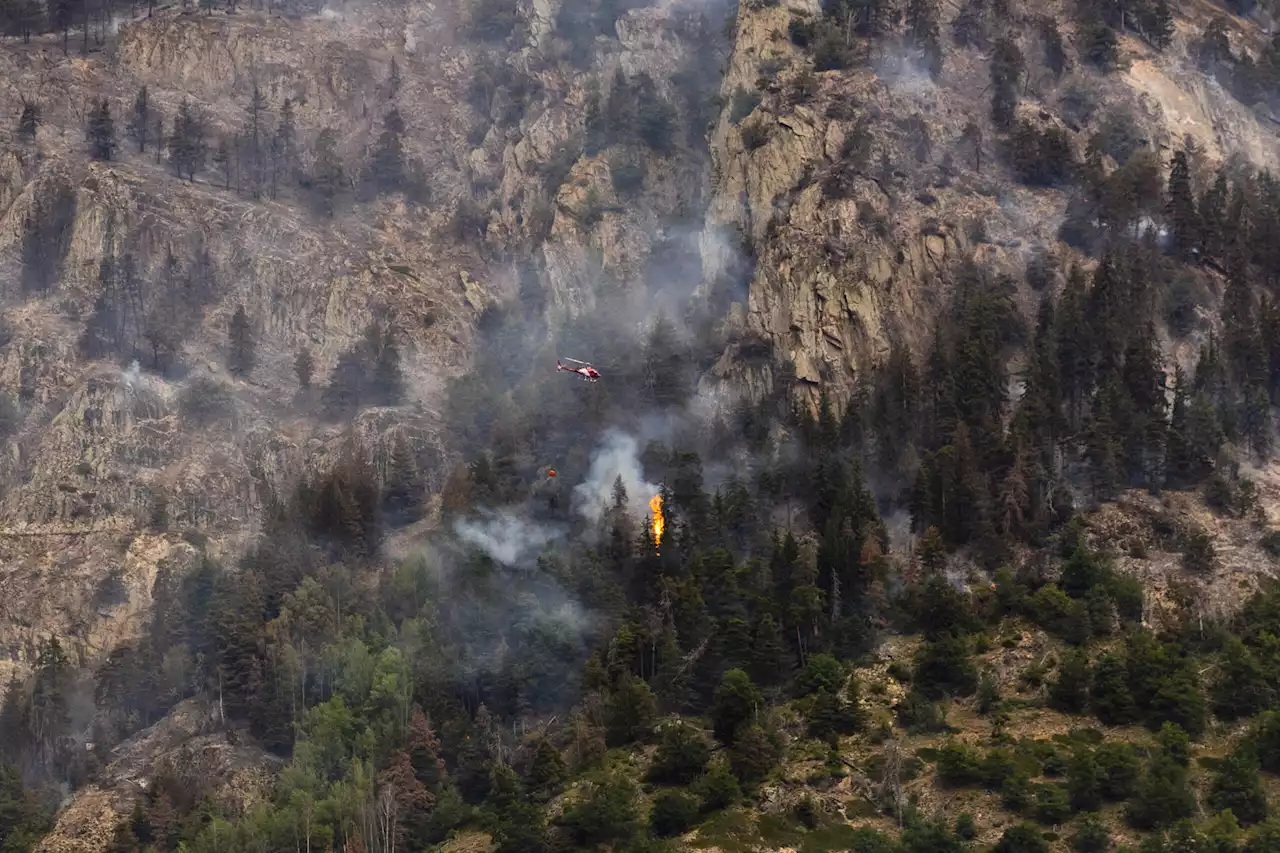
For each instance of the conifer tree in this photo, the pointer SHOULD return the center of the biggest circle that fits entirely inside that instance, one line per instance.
(60, 15)
(404, 492)
(1070, 693)
(1184, 219)
(28, 121)
(187, 147)
(1237, 786)
(346, 390)
(393, 78)
(284, 147)
(242, 349)
(328, 177)
(1007, 65)
(253, 174)
(222, 159)
(387, 385)
(387, 166)
(139, 125)
(304, 367)
(100, 132)
(1157, 21)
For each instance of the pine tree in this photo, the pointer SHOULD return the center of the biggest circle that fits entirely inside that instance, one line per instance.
(388, 380)
(1163, 797)
(1237, 786)
(284, 147)
(328, 177)
(1055, 52)
(1158, 23)
(28, 121)
(1007, 65)
(254, 173)
(304, 367)
(100, 132)
(242, 349)
(404, 493)
(187, 147)
(60, 15)
(1109, 693)
(387, 167)
(921, 18)
(346, 390)
(222, 159)
(24, 18)
(140, 120)
(393, 78)
(1184, 219)
(969, 29)
(1070, 693)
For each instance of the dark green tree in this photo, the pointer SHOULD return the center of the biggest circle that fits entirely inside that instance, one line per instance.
(1237, 785)
(737, 700)
(1184, 219)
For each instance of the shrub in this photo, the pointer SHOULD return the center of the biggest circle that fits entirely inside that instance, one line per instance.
(674, 812)
(1022, 838)
(718, 788)
(206, 401)
(682, 755)
(755, 135)
(1091, 836)
(628, 178)
(743, 104)
(823, 672)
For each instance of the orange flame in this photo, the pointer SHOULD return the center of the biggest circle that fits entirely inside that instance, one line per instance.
(655, 507)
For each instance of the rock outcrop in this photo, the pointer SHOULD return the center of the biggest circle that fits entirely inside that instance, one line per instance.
(190, 744)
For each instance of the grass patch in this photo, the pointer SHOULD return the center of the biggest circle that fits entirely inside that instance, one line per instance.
(732, 830)
(779, 831)
(825, 839)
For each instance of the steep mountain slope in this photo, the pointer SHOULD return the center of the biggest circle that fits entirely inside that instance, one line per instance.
(821, 219)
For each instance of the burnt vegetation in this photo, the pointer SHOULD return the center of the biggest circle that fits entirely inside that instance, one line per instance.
(454, 691)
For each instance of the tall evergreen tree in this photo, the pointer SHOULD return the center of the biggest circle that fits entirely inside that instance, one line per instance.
(328, 177)
(1007, 65)
(387, 385)
(28, 121)
(187, 146)
(242, 349)
(1184, 219)
(387, 166)
(100, 132)
(304, 367)
(139, 125)
(254, 136)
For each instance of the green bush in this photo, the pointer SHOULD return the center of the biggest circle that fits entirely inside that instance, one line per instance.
(1091, 836)
(674, 812)
(682, 755)
(822, 672)
(1022, 838)
(718, 788)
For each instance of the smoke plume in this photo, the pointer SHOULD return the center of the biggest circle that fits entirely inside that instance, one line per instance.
(617, 456)
(506, 538)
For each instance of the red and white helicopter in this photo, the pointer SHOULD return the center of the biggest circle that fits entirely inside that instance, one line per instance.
(586, 371)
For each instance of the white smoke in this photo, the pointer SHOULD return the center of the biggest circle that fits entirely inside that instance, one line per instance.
(617, 456)
(132, 376)
(506, 538)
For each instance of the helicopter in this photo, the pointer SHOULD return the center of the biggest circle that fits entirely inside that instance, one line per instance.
(586, 371)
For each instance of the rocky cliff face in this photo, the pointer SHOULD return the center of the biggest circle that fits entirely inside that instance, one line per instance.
(858, 193)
